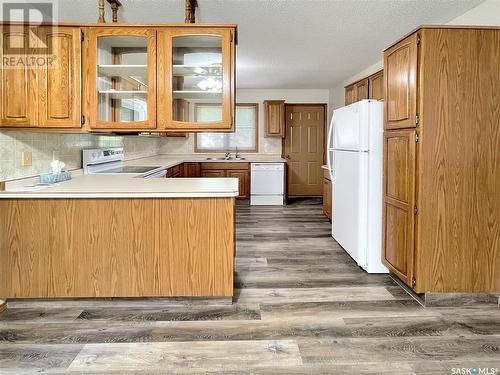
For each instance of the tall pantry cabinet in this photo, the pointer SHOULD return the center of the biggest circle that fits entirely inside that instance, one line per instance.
(442, 160)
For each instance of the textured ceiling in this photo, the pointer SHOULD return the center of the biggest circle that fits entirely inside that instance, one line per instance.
(294, 43)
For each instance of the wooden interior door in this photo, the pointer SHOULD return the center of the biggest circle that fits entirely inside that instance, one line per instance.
(18, 91)
(303, 149)
(59, 84)
(400, 78)
(399, 203)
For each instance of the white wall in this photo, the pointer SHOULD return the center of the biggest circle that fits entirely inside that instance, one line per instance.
(485, 14)
(266, 145)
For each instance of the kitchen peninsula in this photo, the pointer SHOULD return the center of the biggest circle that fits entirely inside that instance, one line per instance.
(119, 236)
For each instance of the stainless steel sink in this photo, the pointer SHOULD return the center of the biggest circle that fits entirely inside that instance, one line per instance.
(226, 159)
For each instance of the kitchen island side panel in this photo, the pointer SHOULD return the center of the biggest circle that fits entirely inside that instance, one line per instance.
(77, 248)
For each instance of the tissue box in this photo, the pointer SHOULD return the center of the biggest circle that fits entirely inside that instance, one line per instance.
(53, 178)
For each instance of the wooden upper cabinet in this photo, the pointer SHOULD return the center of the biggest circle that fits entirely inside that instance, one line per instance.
(196, 85)
(376, 86)
(400, 81)
(121, 75)
(18, 91)
(59, 83)
(361, 89)
(274, 118)
(399, 203)
(350, 94)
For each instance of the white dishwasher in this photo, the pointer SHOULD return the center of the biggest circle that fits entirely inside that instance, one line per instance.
(267, 185)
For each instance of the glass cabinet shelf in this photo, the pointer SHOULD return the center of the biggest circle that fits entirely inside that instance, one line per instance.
(214, 70)
(194, 94)
(123, 70)
(118, 94)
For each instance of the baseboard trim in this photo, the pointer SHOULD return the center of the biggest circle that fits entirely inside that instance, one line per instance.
(460, 299)
(434, 299)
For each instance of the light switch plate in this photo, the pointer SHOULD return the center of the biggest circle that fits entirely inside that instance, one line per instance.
(27, 159)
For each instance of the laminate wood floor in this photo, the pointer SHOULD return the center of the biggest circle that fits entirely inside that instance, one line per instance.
(302, 306)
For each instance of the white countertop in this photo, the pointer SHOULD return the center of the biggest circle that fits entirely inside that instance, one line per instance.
(167, 161)
(132, 186)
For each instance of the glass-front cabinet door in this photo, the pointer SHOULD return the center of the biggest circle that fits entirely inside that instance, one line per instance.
(196, 67)
(122, 81)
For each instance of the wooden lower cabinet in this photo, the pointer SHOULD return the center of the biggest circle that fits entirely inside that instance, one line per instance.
(327, 195)
(244, 182)
(179, 247)
(176, 171)
(213, 173)
(192, 170)
(240, 171)
(399, 202)
(441, 209)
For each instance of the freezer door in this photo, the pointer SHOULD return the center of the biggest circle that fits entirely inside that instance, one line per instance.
(350, 202)
(351, 127)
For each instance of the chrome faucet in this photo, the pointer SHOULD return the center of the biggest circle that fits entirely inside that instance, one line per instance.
(237, 156)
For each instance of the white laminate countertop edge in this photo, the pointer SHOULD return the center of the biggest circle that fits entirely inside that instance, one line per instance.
(133, 186)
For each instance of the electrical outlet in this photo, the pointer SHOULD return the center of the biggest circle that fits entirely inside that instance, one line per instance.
(27, 159)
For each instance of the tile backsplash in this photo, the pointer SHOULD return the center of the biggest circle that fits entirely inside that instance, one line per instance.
(46, 146)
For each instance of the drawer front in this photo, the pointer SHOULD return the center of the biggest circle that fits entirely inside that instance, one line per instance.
(225, 165)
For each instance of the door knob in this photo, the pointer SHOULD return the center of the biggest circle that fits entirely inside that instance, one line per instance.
(287, 157)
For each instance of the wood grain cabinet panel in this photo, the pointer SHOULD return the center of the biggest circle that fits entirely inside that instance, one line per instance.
(327, 198)
(117, 248)
(399, 202)
(59, 84)
(213, 173)
(376, 86)
(18, 93)
(274, 118)
(362, 89)
(441, 178)
(350, 94)
(107, 93)
(192, 170)
(241, 171)
(400, 75)
(243, 182)
(178, 92)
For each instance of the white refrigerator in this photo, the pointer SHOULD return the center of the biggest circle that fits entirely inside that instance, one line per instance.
(355, 162)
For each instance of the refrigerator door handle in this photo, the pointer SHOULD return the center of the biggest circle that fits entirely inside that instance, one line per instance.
(329, 141)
